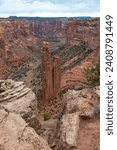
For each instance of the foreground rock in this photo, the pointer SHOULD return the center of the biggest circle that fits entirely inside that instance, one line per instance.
(85, 101)
(18, 118)
(16, 98)
(69, 131)
(15, 134)
(79, 120)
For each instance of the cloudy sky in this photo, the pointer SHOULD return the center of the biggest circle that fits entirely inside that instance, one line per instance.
(49, 8)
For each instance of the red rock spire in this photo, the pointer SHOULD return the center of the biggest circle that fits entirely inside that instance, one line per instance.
(51, 76)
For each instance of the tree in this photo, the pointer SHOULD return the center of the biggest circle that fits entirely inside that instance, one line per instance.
(92, 73)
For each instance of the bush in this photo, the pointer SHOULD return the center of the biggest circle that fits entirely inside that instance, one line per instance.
(46, 116)
(92, 73)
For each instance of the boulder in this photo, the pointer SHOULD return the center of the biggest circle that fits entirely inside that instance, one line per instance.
(87, 93)
(69, 131)
(15, 97)
(82, 101)
(15, 134)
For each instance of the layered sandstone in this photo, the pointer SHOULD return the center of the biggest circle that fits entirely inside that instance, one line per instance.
(87, 31)
(48, 28)
(19, 123)
(15, 97)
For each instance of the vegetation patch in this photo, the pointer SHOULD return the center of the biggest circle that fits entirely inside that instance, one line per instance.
(46, 116)
(92, 73)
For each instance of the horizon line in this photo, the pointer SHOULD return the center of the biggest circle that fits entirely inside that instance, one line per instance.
(48, 16)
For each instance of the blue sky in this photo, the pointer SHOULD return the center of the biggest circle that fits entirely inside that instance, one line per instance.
(49, 8)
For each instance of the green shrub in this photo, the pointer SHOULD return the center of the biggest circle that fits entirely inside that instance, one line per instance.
(92, 73)
(46, 116)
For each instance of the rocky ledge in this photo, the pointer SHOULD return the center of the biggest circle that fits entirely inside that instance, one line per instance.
(18, 114)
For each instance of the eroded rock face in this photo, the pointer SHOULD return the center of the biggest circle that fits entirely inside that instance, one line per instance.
(15, 97)
(69, 131)
(48, 28)
(80, 107)
(15, 134)
(85, 101)
(83, 30)
(19, 123)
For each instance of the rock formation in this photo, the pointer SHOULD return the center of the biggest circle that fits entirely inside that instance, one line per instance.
(56, 75)
(51, 76)
(78, 128)
(69, 131)
(18, 118)
(47, 74)
(15, 134)
(15, 97)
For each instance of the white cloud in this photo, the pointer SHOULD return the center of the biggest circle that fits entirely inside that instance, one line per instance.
(49, 8)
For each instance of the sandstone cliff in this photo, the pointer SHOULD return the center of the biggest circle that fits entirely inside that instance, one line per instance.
(83, 38)
(87, 31)
(48, 28)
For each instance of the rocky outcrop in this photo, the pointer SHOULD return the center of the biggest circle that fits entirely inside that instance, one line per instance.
(15, 134)
(69, 132)
(19, 123)
(15, 97)
(51, 76)
(78, 120)
(85, 101)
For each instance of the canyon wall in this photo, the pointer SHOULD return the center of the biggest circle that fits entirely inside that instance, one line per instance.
(48, 28)
(87, 31)
(17, 45)
(74, 31)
